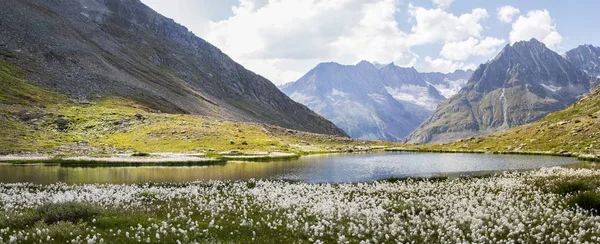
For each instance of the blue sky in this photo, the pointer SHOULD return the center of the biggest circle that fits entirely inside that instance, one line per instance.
(283, 39)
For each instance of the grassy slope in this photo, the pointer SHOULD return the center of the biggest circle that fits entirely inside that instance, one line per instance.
(33, 119)
(575, 129)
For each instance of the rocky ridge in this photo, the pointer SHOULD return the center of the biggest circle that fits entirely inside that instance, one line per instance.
(92, 48)
(523, 83)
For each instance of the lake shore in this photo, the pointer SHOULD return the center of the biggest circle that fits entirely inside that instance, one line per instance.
(579, 156)
(167, 159)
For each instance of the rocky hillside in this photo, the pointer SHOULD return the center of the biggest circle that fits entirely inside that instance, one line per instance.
(95, 48)
(373, 101)
(574, 130)
(522, 84)
(36, 120)
(586, 58)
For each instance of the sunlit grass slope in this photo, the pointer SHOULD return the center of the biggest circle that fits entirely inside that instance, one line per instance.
(574, 130)
(34, 119)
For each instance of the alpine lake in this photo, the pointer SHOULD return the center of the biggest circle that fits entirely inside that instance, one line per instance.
(335, 168)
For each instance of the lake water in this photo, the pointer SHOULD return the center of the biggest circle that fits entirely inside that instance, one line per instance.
(320, 168)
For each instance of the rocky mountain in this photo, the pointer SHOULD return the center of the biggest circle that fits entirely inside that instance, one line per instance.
(522, 84)
(374, 101)
(574, 130)
(91, 48)
(586, 58)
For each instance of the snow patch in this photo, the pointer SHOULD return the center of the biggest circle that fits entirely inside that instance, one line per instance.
(450, 87)
(302, 98)
(339, 93)
(551, 87)
(377, 98)
(414, 94)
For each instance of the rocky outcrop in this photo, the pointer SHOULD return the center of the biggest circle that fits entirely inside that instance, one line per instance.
(586, 58)
(90, 48)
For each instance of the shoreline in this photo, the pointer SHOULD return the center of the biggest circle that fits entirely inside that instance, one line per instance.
(182, 159)
(168, 159)
(581, 157)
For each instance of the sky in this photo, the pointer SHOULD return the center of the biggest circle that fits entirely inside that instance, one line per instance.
(284, 39)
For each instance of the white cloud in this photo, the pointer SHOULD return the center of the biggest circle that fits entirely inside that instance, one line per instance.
(377, 38)
(442, 65)
(186, 11)
(279, 70)
(506, 13)
(537, 24)
(443, 3)
(471, 47)
(436, 25)
(282, 40)
(270, 36)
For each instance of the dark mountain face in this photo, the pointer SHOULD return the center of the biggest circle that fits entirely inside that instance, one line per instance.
(86, 48)
(369, 101)
(522, 84)
(586, 58)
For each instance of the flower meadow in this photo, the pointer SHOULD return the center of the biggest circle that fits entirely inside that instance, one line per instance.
(512, 207)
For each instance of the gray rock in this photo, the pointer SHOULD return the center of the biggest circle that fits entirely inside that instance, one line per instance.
(523, 83)
(586, 58)
(85, 48)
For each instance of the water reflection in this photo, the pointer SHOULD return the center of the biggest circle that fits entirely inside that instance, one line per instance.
(321, 168)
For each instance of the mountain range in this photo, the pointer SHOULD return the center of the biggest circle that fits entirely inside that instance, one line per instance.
(374, 101)
(94, 48)
(585, 57)
(523, 83)
(88, 49)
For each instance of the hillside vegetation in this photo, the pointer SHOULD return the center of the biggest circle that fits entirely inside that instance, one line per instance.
(34, 119)
(124, 48)
(574, 130)
(525, 82)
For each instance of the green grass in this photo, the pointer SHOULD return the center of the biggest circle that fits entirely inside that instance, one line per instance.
(588, 200)
(574, 131)
(212, 211)
(16, 90)
(99, 163)
(34, 119)
(140, 154)
(572, 186)
(69, 211)
(50, 213)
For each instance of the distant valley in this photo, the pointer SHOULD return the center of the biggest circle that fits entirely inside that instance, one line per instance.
(373, 101)
(522, 84)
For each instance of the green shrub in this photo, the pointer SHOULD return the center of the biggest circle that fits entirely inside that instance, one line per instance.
(19, 220)
(62, 232)
(49, 213)
(573, 186)
(587, 200)
(68, 211)
(140, 154)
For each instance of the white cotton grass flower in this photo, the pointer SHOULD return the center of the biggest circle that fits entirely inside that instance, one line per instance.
(506, 208)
